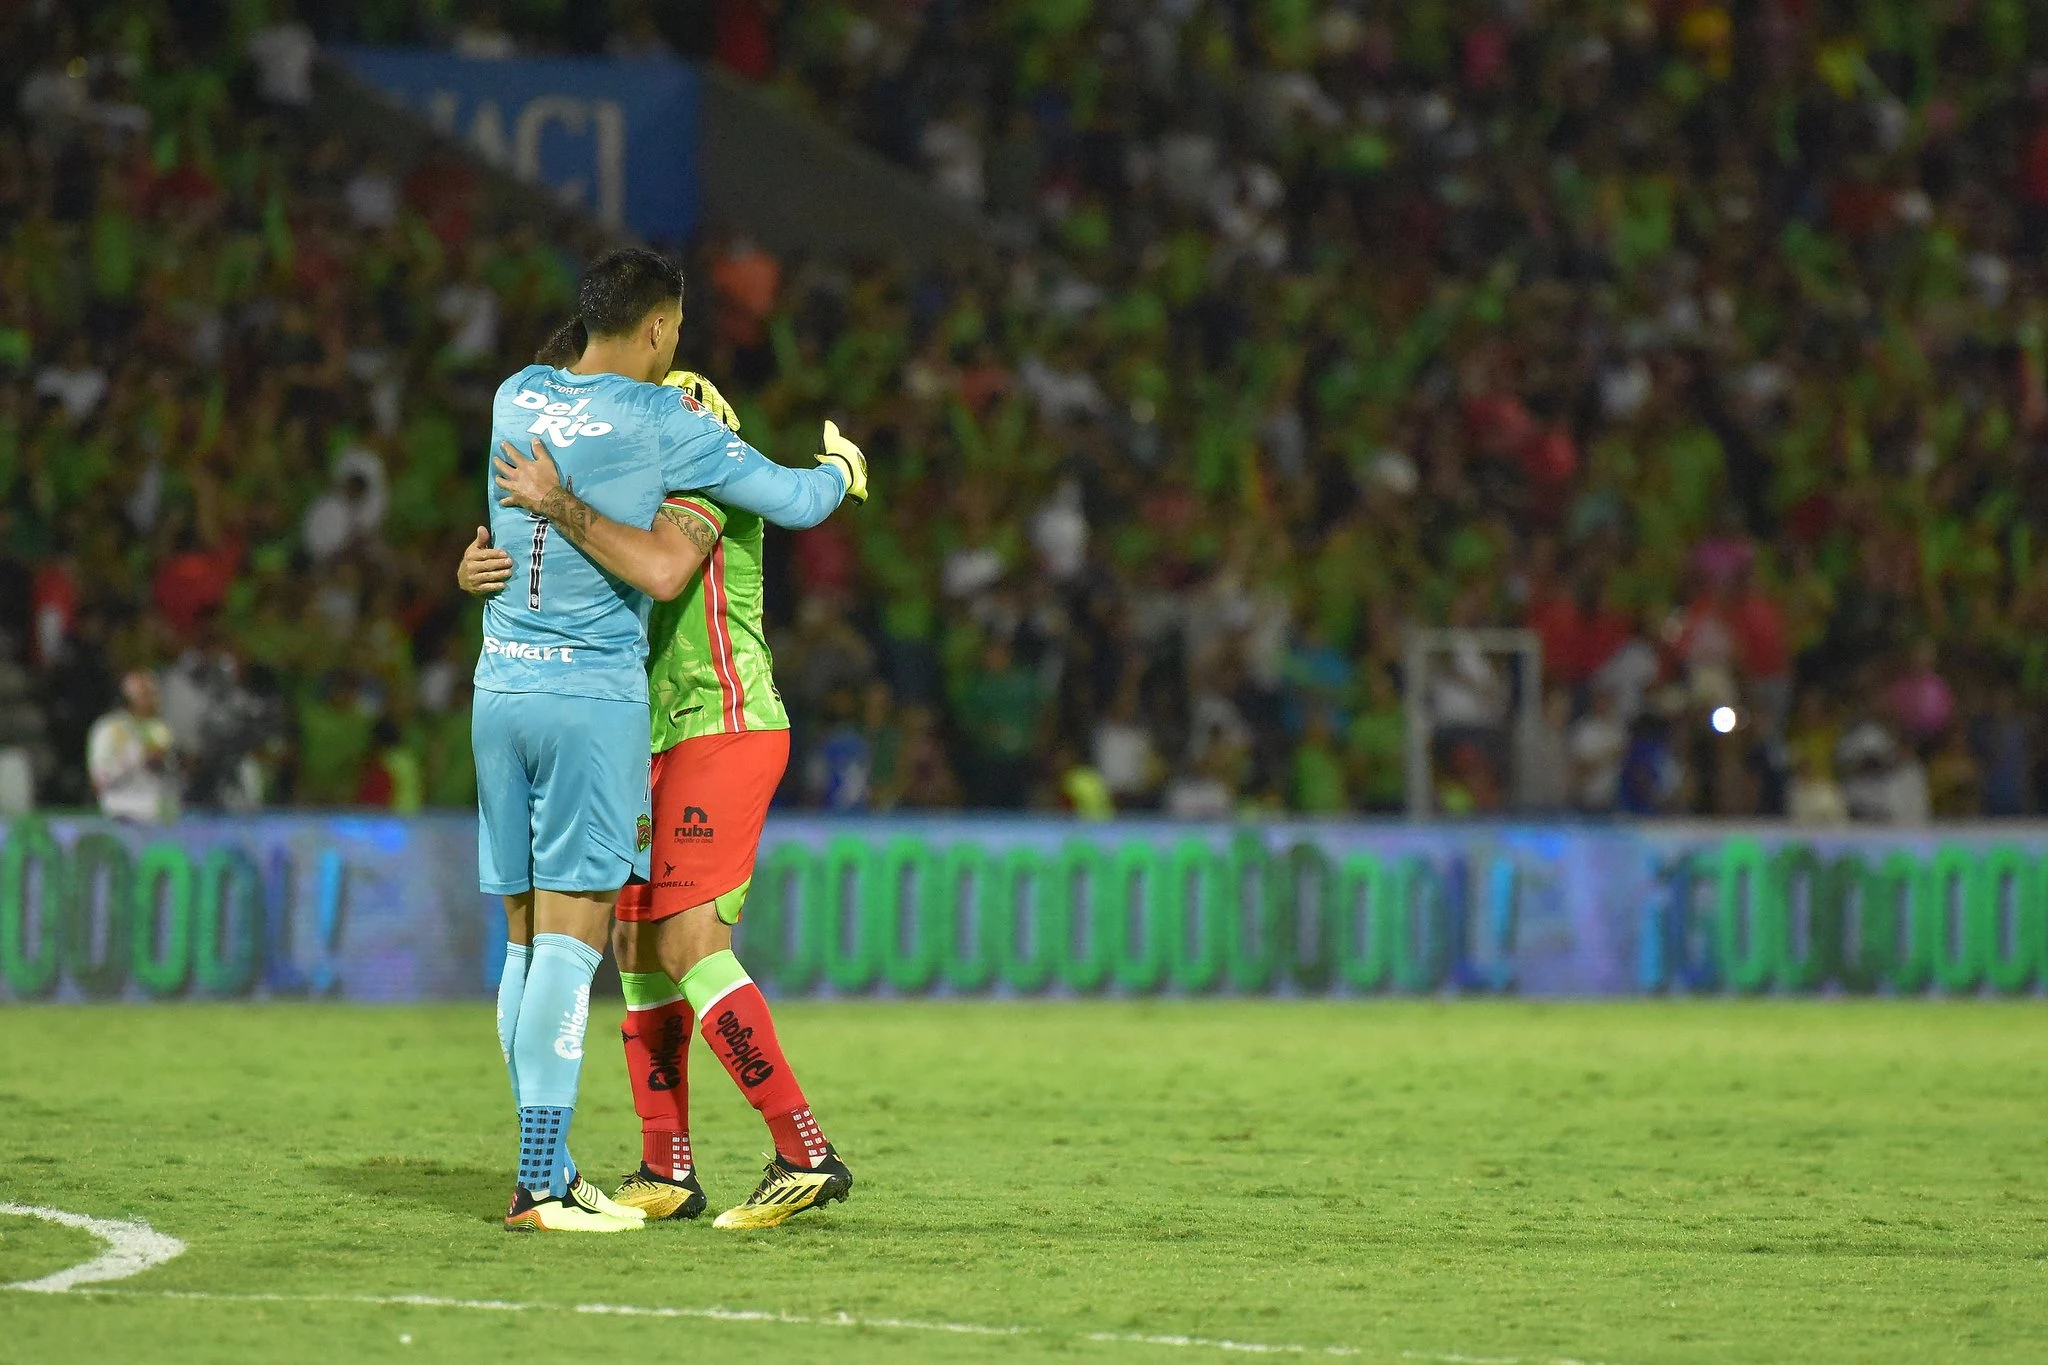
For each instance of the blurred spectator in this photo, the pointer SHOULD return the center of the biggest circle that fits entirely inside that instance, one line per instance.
(1376, 747)
(1920, 700)
(483, 37)
(195, 581)
(1596, 743)
(283, 53)
(129, 752)
(77, 386)
(24, 737)
(1815, 798)
(953, 151)
(1636, 666)
(742, 38)
(925, 773)
(2004, 745)
(1207, 791)
(1881, 781)
(1124, 756)
(997, 709)
(840, 771)
(1319, 786)
(1955, 784)
(746, 281)
(1082, 788)
(1059, 532)
(469, 309)
(350, 513)
(372, 199)
(1763, 653)
(225, 727)
(1653, 773)
(394, 778)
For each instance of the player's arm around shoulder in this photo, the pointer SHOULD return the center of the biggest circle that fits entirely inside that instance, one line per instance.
(659, 561)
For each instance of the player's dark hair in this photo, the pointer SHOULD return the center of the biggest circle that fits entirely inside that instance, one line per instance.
(561, 350)
(621, 287)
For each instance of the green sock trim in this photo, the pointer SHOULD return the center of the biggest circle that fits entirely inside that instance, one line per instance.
(645, 990)
(713, 977)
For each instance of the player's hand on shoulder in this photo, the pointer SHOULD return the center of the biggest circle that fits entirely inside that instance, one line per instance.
(844, 453)
(484, 569)
(706, 395)
(527, 480)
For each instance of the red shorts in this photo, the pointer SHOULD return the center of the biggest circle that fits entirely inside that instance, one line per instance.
(711, 796)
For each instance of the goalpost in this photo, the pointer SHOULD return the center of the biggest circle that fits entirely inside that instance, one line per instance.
(1518, 656)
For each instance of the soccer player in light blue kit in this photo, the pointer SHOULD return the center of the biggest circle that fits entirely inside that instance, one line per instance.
(560, 720)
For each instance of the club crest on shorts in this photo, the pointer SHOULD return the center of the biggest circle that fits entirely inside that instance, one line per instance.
(643, 834)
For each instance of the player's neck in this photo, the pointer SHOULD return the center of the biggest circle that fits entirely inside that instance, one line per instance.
(600, 357)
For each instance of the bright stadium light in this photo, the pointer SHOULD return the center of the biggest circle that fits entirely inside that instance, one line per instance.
(1724, 720)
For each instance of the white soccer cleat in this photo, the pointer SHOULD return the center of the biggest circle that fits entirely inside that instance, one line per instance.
(529, 1214)
(596, 1200)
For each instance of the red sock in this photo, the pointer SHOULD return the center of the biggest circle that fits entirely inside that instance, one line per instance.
(658, 1063)
(742, 1036)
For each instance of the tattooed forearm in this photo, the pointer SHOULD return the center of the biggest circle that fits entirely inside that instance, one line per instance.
(694, 528)
(571, 515)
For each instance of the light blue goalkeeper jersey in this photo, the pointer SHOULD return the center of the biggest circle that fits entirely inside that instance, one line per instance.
(563, 624)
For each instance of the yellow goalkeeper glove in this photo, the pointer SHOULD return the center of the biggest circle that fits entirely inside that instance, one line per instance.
(707, 395)
(853, 464)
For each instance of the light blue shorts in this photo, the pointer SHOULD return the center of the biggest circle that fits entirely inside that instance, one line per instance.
(561, 792)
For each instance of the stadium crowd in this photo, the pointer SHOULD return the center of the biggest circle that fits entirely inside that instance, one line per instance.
(1705, 342)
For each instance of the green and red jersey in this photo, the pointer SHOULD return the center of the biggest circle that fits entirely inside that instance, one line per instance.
(709, 670)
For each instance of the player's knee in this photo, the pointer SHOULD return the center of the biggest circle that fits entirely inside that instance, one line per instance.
(634, 948)
(698, 933)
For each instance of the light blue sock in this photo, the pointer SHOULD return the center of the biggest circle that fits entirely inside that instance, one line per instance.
(511, 986)
(547, 1052)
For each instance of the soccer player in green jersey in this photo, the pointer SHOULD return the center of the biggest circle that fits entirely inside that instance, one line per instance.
(721, 742)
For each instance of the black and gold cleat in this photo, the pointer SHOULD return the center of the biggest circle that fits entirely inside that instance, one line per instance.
(787, 1190)
(659, 1197)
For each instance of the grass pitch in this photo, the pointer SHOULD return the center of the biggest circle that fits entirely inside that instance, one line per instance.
(1623, 1183)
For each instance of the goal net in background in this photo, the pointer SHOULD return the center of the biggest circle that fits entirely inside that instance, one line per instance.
(1475, 716)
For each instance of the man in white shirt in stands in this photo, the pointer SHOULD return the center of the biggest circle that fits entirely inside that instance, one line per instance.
(128, 753)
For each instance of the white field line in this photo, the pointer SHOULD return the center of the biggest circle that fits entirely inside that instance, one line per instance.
(627, 1310)
(132, 1247)
(1254, 1348)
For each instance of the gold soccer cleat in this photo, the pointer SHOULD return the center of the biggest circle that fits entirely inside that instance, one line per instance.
(786, 1190)
(657, 1196)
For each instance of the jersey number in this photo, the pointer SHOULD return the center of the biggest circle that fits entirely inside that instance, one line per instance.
(540, 543)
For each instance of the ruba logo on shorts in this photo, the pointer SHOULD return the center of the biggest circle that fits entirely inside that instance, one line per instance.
(643, 834)
(696, 824)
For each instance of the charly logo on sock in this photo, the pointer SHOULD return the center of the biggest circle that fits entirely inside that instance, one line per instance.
(569, 1042)
(747, 1062)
